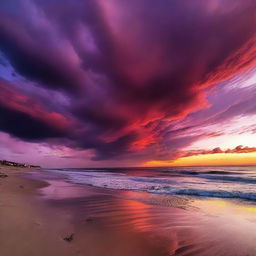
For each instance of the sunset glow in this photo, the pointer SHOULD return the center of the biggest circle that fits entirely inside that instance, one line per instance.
(209, 159)
(127, 83)
(128, 127)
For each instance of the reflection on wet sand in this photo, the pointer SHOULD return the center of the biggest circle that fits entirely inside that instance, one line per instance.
(131, 223)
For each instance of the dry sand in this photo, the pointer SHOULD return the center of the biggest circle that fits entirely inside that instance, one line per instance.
(26, 228)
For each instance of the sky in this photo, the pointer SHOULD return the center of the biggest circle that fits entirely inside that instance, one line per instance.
(96, 83)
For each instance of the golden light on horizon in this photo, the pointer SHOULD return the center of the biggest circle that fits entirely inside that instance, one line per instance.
(209, 159)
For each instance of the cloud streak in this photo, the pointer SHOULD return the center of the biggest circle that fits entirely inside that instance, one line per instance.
(239, 149)
(131, 72)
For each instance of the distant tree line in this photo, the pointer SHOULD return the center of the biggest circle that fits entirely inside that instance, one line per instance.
(9, 163)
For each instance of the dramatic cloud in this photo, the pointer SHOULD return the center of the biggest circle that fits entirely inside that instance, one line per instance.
(135, 80)
(21, 116)
(238, 149)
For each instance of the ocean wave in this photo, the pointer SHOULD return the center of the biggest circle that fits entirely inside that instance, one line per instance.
(230, 178)
(209, 172)
(199, 185)
(217, 193)
(153, 180)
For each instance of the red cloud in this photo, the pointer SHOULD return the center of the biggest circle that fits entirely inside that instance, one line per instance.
(238, 149)
(242, 60)
(19, 103)
(124, 83)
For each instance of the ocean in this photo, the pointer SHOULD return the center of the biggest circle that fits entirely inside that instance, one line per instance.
(237, 182)
(204, 211)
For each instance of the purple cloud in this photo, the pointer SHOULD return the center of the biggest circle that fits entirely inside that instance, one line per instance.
(125, 79)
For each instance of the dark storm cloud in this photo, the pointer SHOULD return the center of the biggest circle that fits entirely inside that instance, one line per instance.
(26, 127)
(126, 67)
(23, 117)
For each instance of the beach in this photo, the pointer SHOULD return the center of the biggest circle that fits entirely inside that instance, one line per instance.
(43, 214)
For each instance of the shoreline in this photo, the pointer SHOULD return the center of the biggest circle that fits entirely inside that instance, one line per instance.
(38, 214)
(27, 226)
(34, 225)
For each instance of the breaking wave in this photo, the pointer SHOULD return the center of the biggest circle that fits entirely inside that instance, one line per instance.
(231, 183)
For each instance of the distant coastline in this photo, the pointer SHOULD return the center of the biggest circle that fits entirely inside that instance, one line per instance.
(21, 165)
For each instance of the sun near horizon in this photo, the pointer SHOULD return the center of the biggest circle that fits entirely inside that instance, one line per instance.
(208, 160)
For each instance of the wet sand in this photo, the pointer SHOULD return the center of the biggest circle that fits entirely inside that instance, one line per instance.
(38, 212)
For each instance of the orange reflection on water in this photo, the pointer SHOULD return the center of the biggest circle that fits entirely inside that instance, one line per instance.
(139, 215)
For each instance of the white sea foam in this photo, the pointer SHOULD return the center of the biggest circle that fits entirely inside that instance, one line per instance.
(207, 183)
